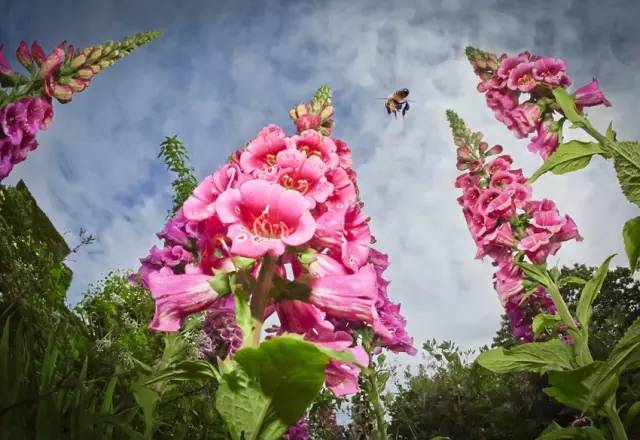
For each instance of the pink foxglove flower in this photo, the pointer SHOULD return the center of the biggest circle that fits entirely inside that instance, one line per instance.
(264, 217)
(551, 71)
(12, 119)
(261, 152)
(545, 141)
(342, 377)
(590, 95)
(521, 78)
(313, 143)
(304, 174)
(178, 296)
(201, 204)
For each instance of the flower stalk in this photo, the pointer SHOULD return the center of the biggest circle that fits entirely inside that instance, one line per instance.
(260, 297)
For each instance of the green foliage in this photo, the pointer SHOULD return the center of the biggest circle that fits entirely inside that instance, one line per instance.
(176, 157)
(631, 236)
(626, 158)
(452, 397)
(568, 106)
(264, 390)
(570, 156)
(539, 357)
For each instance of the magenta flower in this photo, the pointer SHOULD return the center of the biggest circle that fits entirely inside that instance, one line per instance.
(201, 203)
(309, 121)
(344, 153)
(525, 119)
(342, 377)
(301, 317)
(52, 63)
(178, 296)
(590, 94)
(6, 154)
(261, 152)
(551, 71)
(304, 174)
(346, 296)
(220, 335)
(508, 64)
(12, 119)
(521, 78)
(28, 143)
(264, 217)
(39, 113)
(545, 141)
(313, 143)
(344, 191)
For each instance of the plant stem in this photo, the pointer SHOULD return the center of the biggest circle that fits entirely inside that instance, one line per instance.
(617, 427)
(260, 297)
(595, 133)
(567, 319)
(374, 398)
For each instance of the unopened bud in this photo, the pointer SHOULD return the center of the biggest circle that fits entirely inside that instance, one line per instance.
(95, 68)
(77, 84)
(104, 63)
(84, 73)
(62, 93)
(23, 55)
(327, 112)
(301, 109)
(37, 53)
(95, 55)
(78, 61)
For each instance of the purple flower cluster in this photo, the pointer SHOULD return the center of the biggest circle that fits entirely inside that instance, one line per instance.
(19, 123)
(299, 431)
(220, 335)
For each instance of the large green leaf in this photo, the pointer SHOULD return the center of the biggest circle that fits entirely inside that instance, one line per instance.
(626, 157)
(539, 357)
(576, 388)
(535, 272)
(266, 389)
(590, 292)
(570, 156)
(631, 415)
(626, 353)
(568, 105)
(631, 236)
(543, 321)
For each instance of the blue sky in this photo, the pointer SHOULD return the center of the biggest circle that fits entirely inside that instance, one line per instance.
(223, 70)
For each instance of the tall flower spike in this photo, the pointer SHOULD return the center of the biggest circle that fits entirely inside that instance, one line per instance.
(317, 115)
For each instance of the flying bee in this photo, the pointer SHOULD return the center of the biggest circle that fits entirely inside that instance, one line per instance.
(397, 102)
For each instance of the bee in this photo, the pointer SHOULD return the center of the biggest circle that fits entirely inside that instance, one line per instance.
(397, 102)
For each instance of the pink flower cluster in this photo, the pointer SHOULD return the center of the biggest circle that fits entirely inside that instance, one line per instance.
(220, 335)
(506, 79)
(294, 200)
(506, 225)
(299, 431)
(20, 121)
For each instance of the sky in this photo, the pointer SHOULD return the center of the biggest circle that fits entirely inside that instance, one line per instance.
(223, 70)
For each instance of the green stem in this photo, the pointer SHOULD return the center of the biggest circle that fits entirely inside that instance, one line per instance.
(567, 319)
(374, 398)
(617, 427)
(260, 297)
(595, 133)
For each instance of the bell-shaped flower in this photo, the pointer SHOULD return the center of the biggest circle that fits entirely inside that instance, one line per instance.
(304, 174)
(264, 217)
(590, 95)
(313, 143)
(261, 152)
(178, 296)
(201, 203)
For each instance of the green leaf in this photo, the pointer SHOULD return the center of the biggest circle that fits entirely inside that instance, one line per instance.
(268, 388)
(568, 106)
(198, 371)
(574, 388)
(611, 133)
(535, 272)
(540, 357)
(220, 283)
(543, 321)
(626, 353)
(626, 157)
(147, 399)
(570, 156)
(573, 433)
(632, 413)
(590, 292)
(243, 317)
(107, 400)
(631, 236)
(571, 280)
(243, 263)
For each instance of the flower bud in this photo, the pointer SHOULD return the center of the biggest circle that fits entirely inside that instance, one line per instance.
(52, 63)
(105, 63)
(23, 55)
(78, 61)
(37, 53)
(496, 149)
(62, 93)
(84, 73)
(77, 84)
(94, 55)
(327, 112)
(6, 72)
(95, 68)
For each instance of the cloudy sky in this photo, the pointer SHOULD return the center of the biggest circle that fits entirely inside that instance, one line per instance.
(222, 70)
